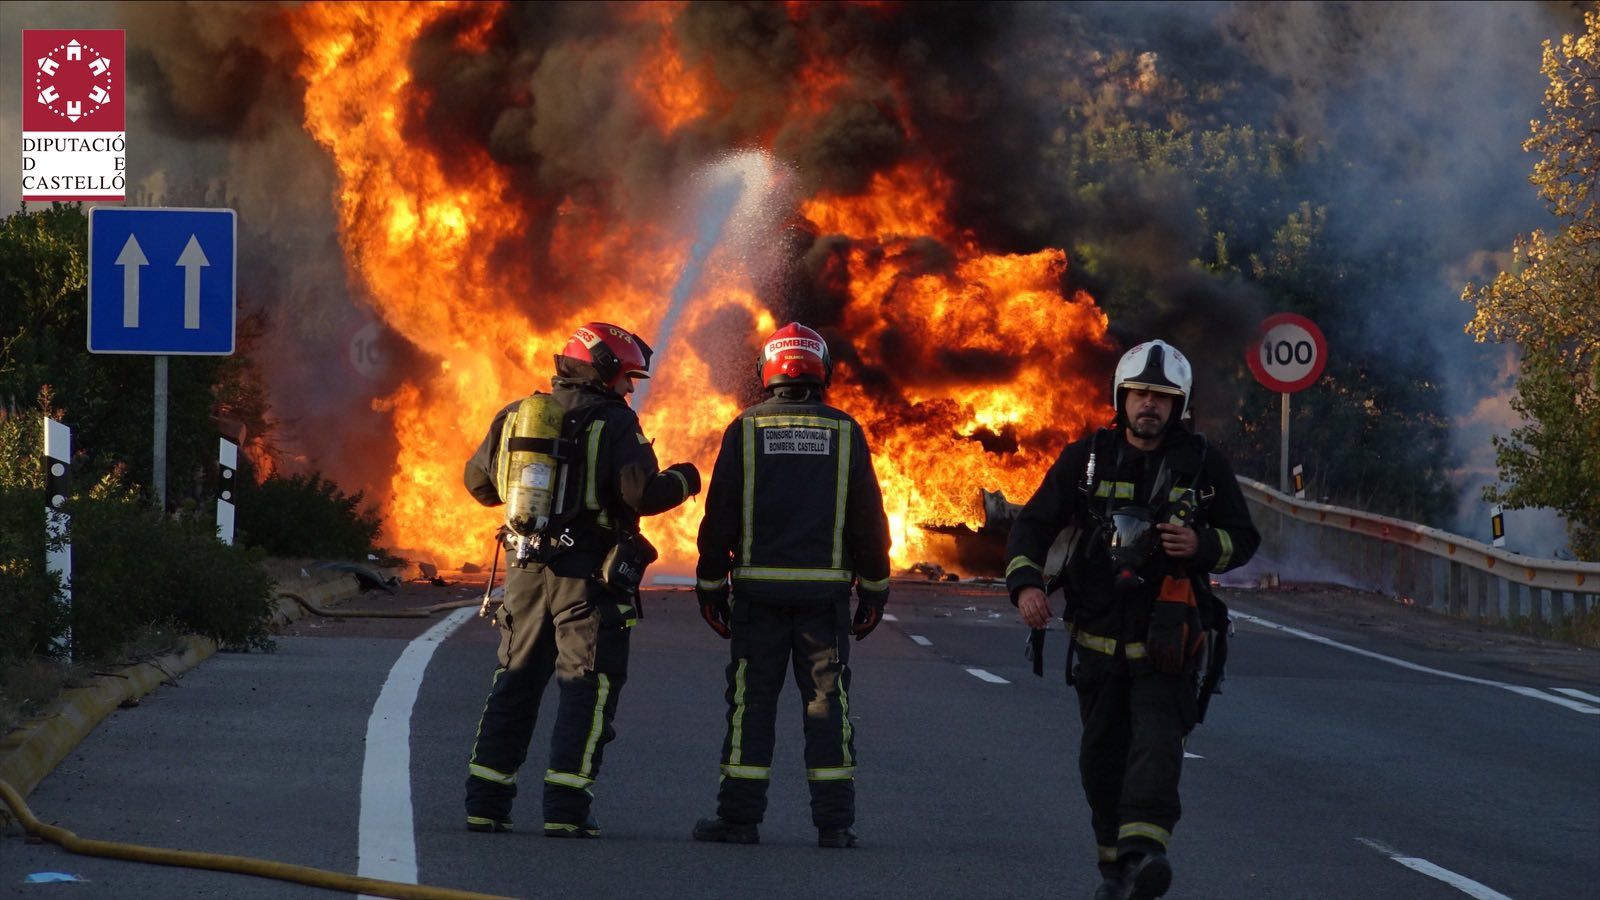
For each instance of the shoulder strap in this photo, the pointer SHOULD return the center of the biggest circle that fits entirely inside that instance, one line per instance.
(1100, 447)
(572, 490)
(1162, 488)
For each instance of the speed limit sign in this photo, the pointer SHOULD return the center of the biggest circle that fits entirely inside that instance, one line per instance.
(1288, 354)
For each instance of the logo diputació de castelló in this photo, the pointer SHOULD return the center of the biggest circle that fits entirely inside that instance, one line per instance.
(74, 132)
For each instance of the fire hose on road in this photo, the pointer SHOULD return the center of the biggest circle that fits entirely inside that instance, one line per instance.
(241, 865)
(416, 613)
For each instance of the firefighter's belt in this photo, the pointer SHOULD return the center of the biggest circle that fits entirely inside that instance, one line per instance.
(1108, 646)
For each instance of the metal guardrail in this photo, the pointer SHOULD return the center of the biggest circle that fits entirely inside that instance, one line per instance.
(1421, 565)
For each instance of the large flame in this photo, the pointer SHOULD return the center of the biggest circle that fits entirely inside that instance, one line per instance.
(423, 241)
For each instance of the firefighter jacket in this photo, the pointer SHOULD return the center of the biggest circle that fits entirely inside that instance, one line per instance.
(611, 473)
(1072, 498)
(794, 514)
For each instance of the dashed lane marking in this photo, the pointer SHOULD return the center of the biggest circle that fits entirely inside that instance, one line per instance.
(890, 617)
(990, 677)
(1456, 880)
(921, 640)
(387, 845)
(1535, 693)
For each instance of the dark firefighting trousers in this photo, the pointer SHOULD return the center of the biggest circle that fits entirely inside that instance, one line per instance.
(815, 642)
(1134, 723)
(576, 629)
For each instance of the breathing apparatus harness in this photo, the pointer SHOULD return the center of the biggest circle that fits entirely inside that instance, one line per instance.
(1128, 534)
(539, 445)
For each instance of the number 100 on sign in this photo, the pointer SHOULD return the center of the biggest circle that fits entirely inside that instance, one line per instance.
(1288, 354)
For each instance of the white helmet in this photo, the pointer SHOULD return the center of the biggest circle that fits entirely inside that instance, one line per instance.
(1153, 366)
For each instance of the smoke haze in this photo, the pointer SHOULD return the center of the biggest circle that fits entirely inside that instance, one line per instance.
(1425, 105)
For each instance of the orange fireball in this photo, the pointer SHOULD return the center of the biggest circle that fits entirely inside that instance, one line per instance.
(947, 352)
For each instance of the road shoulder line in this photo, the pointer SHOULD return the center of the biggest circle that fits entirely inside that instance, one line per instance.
(1535, 693)
(387, 843)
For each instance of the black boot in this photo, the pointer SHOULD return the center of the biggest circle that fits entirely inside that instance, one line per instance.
(1112, 888)
(840, 837)
(1148, 876)
(722, 831)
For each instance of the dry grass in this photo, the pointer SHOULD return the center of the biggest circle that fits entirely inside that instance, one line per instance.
(27, 688)
(1580, 628)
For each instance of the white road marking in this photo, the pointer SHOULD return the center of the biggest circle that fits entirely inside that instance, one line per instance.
(1188, 755)
(1460, 882)
(922, 640)
(990, 677)
(387, 846)
(1574, 692)
(1513, 688)
(890, 617)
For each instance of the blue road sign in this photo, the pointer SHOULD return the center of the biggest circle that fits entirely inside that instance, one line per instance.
(161, 281)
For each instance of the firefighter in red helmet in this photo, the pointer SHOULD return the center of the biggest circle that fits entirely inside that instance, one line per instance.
(1148, 510)
(794, 518)
(576, 473)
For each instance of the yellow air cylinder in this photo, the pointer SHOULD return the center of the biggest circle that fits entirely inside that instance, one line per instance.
(527, 474)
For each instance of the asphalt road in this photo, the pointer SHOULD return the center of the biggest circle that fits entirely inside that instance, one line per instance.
(1321, 772)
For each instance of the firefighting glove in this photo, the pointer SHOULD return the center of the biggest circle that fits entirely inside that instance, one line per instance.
(690, 476)
(714, 609)
(1175, 634)
(867, 618)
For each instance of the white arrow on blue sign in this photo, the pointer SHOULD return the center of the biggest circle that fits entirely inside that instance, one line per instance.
(161, 281)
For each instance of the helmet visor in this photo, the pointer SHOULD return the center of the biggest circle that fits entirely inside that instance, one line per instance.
(1152, 387)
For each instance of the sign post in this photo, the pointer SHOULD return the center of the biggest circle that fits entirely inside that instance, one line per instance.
(1287, 355)
(161, 283)
(57, 462)
(227, 467)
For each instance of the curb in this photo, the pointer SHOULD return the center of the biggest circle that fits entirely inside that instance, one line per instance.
(32, 752)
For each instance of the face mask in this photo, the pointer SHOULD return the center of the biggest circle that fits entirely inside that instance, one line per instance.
(1132, 539)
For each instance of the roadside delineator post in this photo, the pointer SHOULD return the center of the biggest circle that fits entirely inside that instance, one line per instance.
(227, 470)
(57, 463)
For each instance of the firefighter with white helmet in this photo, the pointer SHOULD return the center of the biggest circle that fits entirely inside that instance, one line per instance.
(794, 519)
(1148, 509)
(576, 474)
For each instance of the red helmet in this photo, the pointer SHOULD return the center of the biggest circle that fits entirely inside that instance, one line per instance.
(795, 354)
(612, 351)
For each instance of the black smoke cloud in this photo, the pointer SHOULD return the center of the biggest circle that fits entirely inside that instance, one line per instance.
(1423, 104)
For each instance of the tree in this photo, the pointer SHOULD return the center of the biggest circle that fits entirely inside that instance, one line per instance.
(1548, 302)
(108, 399)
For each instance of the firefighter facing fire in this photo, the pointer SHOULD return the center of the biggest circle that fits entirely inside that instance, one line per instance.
(1147, 509)
(793, 518)
(576, 473)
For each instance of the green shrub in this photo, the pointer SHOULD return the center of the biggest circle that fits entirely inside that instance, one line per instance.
(134, 569)
(305, 516)
(30, 605)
